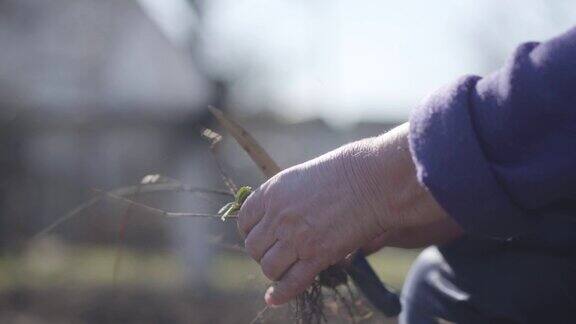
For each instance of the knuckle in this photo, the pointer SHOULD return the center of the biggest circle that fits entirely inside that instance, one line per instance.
(281, 186)
(310, 243)
(284, 225)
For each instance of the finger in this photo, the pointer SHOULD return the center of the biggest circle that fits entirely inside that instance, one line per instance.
(251, 212)
(259, 239)
(278, 259)
(299, 277)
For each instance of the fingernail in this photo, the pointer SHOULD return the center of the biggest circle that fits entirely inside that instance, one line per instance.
(268, 296)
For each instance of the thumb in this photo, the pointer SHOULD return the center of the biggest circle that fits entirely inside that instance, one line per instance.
(295, 281)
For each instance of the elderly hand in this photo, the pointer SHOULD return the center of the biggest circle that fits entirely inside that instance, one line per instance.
(314, 214)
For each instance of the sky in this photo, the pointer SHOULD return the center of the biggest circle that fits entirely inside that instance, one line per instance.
(352, 60)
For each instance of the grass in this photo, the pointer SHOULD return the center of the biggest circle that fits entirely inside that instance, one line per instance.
(58, 283)
(86, 266)
(54, 263)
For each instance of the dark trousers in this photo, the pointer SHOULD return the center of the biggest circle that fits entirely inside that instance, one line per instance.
(486, 282)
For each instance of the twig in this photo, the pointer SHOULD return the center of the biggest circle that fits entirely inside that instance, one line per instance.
(128, 191)
(214, 138)
(260, 314)
(248, 143)
(158, 211)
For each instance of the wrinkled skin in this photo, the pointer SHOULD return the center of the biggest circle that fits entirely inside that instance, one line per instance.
(312, 215)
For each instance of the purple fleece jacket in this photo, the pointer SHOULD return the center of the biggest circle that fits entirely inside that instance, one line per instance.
(499, 152)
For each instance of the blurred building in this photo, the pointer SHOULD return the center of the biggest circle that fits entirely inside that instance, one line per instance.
(92, 95)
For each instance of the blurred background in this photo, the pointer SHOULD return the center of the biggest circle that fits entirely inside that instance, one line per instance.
(97, 94)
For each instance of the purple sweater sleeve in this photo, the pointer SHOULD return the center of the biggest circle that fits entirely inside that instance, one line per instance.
(499, 153)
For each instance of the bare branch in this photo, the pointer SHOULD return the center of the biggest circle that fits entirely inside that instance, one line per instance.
(213, 139)
(129, 191)
(260, 314)
(248, 143)
(158, 211)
